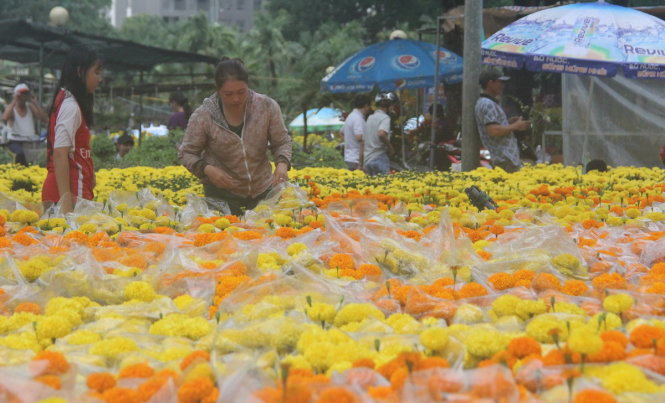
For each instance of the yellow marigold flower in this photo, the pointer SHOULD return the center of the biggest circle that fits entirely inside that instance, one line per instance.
(282, 220)
(140, 290)
(113, 347)
(52, 327)
(33, 268)
(567, 264)
(621, 377)
(267, 261)
(404, 323)
(618, 303)
(614, 221)
(468, 314)
(605, 321)
(222, 223)
(296, 248)
(505, 305)
(585, 340)
(206, 228)
(526, 308)
(53, 400)
(484, 343)
(88, 228)
(24, 216)
(83, 336)
(544, 328)
(434, 338)
(633, 212)
(321, 312)
(356, 312)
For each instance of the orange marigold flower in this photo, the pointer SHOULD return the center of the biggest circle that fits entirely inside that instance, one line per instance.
(611, 351)
(470, 290)
(100, 381)
(336, 395)
(594, 396)
(521, 347)
(651, 362)
(364, 362)
(398, 378)
(369, 270)
(574, 287)
(656, 288)
(24, 239)
(140, 370)
(286, 232)
(501, 281)
(50, 380)
(524, 274)
(341, 261)
(615, 336)
(121, 395)
(28, 307)
(380, 392)
(193, 356)
(645, 336)
(248, 235)
(415, 235)
(431, 362)
(545, 281)
(609, 280)
(195, 390)
(150, 387)
(658, 268)
(57, 363)
(660, 346)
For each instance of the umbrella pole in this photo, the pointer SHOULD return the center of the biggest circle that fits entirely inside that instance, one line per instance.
(435, 100)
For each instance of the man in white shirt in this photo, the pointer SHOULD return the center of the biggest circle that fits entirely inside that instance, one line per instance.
(20, 114)
(377, 137)
(353, 130)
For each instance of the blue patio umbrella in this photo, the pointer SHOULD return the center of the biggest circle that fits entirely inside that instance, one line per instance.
(584, 38)
(595, 39)
(318, 120)
(392, 65)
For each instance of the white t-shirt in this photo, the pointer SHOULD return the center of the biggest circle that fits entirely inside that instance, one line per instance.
(23, 127)
(378, 121)
(67, 123)
(353, 125)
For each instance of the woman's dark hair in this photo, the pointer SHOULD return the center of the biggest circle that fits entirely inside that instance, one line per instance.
(230, 69)
(72, 78)
(181, 100)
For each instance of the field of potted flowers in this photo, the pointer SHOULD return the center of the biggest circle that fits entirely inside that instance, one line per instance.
(338, 288)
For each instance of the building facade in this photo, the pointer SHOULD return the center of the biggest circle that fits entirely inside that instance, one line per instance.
(236, 13)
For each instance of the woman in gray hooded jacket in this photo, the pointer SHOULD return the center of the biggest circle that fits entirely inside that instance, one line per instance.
(227, 140)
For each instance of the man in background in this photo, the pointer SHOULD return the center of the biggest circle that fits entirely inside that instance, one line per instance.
(353, 131)
(377, 137)
(20, 115)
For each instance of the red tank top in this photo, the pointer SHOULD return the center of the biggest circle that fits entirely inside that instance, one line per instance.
(81, 170)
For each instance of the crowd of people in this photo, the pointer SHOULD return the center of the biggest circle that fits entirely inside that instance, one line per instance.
(227, 138)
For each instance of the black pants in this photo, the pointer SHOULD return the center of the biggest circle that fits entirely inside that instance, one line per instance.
(16, 147)
(237, 204)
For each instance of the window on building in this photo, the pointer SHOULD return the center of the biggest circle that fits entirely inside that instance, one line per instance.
(240, 4)
(257, 4)
(179, 4)
(203, 5)
(241, 25)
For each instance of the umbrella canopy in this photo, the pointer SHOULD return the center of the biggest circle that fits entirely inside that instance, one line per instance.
(392, 65)
(585, 38)
(26, 42)
(318, 120)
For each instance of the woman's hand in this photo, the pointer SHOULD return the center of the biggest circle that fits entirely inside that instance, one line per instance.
(219, 178)
(280, 175)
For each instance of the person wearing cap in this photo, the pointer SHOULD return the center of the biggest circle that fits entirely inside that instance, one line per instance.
(494, 128)
(377, 149)
(123, 145)
(20, 115)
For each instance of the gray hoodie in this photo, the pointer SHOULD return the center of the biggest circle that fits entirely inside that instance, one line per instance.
(208, 140)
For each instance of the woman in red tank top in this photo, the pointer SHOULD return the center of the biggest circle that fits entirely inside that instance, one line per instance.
(71, 174)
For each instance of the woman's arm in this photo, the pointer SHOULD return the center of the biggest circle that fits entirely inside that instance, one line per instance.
(61, 165)
(194, 142)
(280, 141)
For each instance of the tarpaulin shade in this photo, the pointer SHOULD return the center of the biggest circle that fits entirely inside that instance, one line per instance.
(22, 41)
